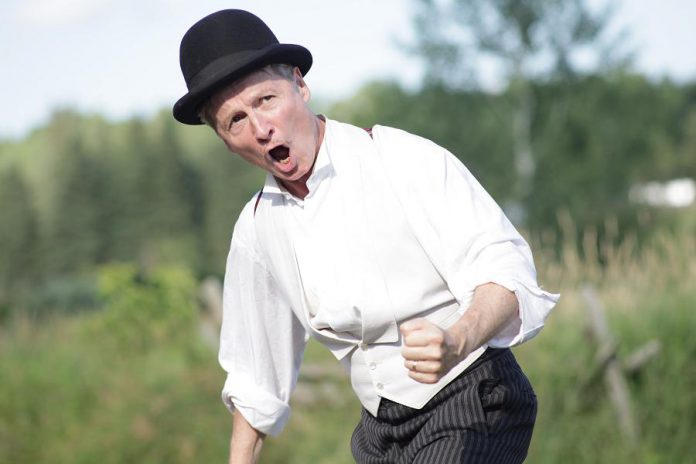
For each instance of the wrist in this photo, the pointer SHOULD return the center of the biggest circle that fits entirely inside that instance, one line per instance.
(458, 341)
(463, 333)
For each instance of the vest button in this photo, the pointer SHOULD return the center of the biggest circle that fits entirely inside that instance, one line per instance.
(373, 366)
(379, 386)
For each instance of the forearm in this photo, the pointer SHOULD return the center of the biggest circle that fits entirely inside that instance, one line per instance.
(492, 308)
(246, 441)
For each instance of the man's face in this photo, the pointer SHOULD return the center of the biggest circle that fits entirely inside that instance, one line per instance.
(265, 119)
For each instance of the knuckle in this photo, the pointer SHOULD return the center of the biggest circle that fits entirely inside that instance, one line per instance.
(434, 353)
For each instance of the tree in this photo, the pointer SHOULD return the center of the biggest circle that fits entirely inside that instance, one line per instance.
(607, 135)
(525, 39)
(459, 120)
(18, 230)
(78, 229)
(162, 206)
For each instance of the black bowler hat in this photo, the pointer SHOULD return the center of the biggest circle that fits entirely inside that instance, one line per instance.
(221, 48)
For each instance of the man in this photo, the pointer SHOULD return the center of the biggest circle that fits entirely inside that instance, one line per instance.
(379, 244)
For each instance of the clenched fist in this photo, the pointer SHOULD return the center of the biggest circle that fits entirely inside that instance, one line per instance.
(429, 352)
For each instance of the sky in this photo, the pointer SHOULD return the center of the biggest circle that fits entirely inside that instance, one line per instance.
(119, 58)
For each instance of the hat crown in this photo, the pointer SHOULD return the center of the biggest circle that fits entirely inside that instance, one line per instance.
(221, 34)
(226, 46)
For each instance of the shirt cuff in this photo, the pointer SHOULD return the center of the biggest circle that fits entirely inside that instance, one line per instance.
(262, 410)
(534, 307)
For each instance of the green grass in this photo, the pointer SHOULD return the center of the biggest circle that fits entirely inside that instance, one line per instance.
(83, 389)
(579, 424)
(65, 399)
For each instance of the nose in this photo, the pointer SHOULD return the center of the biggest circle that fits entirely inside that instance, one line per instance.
(262, 128)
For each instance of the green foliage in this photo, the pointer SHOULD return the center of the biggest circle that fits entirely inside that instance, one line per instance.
(580, 425)
(535, 45)
(83, 191)
(67, 399)
(18, 231)
(89, 391)
(79, 221)
(596, 138)
(469, 124)
(144, 309)
(128, 383)
(61, 296)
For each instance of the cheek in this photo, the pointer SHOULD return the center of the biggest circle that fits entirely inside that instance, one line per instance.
(242, 151)
(251, 157)
(229, 146)
(234, 144)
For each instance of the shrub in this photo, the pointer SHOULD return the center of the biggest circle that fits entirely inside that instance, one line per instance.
(143, 309)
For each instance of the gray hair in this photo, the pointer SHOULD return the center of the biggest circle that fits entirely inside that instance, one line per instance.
(286, 71)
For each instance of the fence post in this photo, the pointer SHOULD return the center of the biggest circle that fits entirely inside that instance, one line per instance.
(613, 375)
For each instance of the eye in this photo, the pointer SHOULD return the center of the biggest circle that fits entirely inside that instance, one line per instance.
(266, 98)
(237, 118)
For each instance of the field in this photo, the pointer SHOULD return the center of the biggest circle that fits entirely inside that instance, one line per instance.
(122, 384)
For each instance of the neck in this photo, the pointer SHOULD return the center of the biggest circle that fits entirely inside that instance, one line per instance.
(299, 188)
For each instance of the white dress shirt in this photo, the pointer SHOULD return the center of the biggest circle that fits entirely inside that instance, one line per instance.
(394, 227)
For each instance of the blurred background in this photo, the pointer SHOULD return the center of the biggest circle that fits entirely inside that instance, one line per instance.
(578, 116)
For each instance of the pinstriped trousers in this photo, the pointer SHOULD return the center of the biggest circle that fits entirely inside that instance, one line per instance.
(485, 415)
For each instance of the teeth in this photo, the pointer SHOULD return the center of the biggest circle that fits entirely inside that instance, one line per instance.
(285, 160)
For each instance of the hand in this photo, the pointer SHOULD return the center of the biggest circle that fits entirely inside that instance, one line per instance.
(429, 352)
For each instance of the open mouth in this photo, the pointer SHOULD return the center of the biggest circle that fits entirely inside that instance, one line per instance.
(281, 153)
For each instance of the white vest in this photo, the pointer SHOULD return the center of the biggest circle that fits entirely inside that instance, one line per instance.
(371, 355)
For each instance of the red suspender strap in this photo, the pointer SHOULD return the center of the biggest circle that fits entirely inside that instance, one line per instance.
(258, 198)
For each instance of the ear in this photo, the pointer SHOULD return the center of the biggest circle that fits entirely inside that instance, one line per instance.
(301, 85)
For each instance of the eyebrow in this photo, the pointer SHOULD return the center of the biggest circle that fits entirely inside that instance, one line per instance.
(267, 87)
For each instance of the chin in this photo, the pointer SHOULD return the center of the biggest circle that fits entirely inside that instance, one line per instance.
(286, 177)
(298, 174)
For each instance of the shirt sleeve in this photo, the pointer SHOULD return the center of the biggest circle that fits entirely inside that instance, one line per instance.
(261, 341)
(466, 234)
(483, 246)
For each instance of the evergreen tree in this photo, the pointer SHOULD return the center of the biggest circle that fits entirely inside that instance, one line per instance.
(18, 232)
(74, 239)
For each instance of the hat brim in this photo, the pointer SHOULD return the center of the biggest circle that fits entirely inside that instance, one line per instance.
(230, 68)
